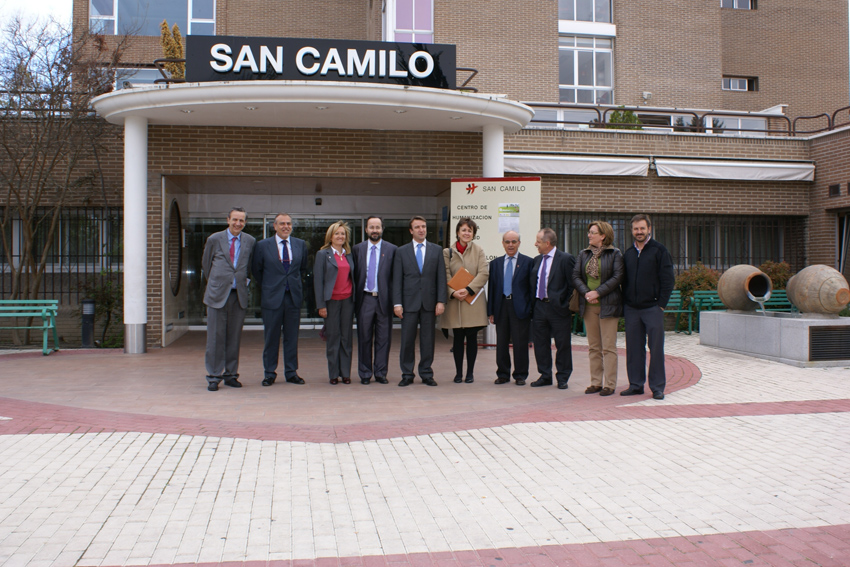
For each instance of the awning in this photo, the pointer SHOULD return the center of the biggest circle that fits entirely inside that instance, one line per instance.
(740, 170)
(575, 165)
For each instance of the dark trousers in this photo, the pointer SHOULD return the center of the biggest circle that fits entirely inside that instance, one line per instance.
(285, 320)
(548, 324)
(224, 336)
(470, 335)
(511, 329)
(338, 334)
(424, 321)
(645, 326)
(373, 329)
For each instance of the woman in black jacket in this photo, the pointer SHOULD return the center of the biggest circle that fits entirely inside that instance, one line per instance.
(598, 274)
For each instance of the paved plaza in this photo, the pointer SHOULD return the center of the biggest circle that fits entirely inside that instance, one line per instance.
(111, 459)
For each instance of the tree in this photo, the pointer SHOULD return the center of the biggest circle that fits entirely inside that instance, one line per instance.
(624, 120)
(172, 48)
(50, 137)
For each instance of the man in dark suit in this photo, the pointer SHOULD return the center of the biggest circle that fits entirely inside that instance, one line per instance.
(419, 297)
(551, 284)
(509, 308)
(226, 261)
(279, 264)
(373, 302)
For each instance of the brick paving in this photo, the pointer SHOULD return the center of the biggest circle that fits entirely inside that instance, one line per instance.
(107, 459)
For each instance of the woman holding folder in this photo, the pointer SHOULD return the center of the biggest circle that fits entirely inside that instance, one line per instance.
(467, 271)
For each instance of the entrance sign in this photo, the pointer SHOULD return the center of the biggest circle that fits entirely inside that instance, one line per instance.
(228, 58)
(497, 205)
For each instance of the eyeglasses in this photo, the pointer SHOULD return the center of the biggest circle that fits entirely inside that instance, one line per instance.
(511, 241)
(591, 233)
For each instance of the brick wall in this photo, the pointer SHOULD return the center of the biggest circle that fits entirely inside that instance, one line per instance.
(832, 154)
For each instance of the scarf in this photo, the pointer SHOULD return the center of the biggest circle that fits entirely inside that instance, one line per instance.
(460, 247)
(592, 267)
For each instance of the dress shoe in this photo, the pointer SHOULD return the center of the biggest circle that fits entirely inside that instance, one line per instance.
(502, 380)
(562, 385)
(541, 382)
(520, 382)
(470, 379)
(593, 389)
(458, 379)
(334, 381)
(345, 381)
(232, 382)
(365, 381)
(295, 379)
(381, 380)
(268, 380)
(212, 386)
(429, 382)
(606, 391)
(405, 382)
(632, 391)
(658, 396)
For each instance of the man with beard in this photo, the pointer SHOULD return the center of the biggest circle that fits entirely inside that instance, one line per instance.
(373, 302)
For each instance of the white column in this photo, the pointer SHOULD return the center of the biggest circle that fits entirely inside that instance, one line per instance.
(493, 154)
(494, 151)
(135, 234)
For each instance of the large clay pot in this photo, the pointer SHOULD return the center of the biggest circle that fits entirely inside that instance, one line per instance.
(818, 289)
(737, 281)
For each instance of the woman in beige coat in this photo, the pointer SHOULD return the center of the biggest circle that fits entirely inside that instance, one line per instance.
(463, 319)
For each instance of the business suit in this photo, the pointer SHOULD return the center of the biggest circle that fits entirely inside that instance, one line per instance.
(512, 317)
(551, 317)
(418, 294)
(225, 303)
(282, 295)
(340, 312)
(374, 313)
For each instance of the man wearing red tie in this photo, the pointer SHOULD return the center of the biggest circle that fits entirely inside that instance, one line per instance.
(280, 264)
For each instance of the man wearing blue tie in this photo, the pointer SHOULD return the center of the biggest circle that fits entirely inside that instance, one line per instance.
(509, 308)
(279, 265)
(419, 297)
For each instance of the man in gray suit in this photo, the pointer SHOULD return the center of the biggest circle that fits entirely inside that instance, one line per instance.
(227, 257)
(373, 302)
(419, 297)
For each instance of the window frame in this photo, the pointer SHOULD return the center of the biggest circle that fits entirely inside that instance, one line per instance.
(391, 32)
(190, 20)
(593, 4)
(594, 50)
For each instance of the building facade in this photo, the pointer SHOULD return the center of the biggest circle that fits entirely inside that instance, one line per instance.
(723, 90)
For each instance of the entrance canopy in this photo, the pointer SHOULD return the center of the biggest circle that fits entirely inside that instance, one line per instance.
(305, 104)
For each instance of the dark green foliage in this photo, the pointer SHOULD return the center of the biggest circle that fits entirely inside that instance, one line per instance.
(778, 272)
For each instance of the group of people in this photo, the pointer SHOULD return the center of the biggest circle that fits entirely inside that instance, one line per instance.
(528, 300)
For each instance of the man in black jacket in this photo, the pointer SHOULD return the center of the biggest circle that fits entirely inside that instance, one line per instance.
(646, 291)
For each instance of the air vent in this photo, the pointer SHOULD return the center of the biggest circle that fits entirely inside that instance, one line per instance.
(834, 190)
(829, 343)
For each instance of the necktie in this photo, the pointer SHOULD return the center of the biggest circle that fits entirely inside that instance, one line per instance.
(285, 256)
(233, 251)
(509, 276)
(372, 273)
(420, 259)
(541, 283)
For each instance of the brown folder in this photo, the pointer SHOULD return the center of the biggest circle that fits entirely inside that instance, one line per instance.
(460, 281)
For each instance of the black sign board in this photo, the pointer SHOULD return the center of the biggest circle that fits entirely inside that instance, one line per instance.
(228, 58)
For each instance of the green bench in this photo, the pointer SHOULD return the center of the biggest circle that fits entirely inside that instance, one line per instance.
(709, 300)
(43, 313)
(676, 306)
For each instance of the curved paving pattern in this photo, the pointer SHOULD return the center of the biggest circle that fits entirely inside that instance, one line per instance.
(490, 476)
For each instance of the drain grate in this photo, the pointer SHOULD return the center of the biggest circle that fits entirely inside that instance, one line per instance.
(829, 343)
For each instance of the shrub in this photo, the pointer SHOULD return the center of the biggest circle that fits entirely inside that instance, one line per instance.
(778, 272)
(624, 120)
(697, 277)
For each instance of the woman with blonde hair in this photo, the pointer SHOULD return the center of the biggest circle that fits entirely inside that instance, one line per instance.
(466, 319)
(598, 273)
(333, 282)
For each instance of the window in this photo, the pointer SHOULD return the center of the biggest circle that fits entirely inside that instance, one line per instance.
(740, 84)
(734, 126)
(127, 77)
(835, 190)
(409, 21)
(586, 70)
(144, 17)
(585, 10)
(738, 4)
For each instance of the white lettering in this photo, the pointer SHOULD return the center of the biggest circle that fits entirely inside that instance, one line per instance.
(333, 62)
(429, 67)
(299, 60)
(245, 59)
(266, 57)
(382, 63)
(221, 53)
(394, 70)
(358, 66)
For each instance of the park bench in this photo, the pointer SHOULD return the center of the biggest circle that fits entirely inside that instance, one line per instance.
(41, 311)
(677, 307)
